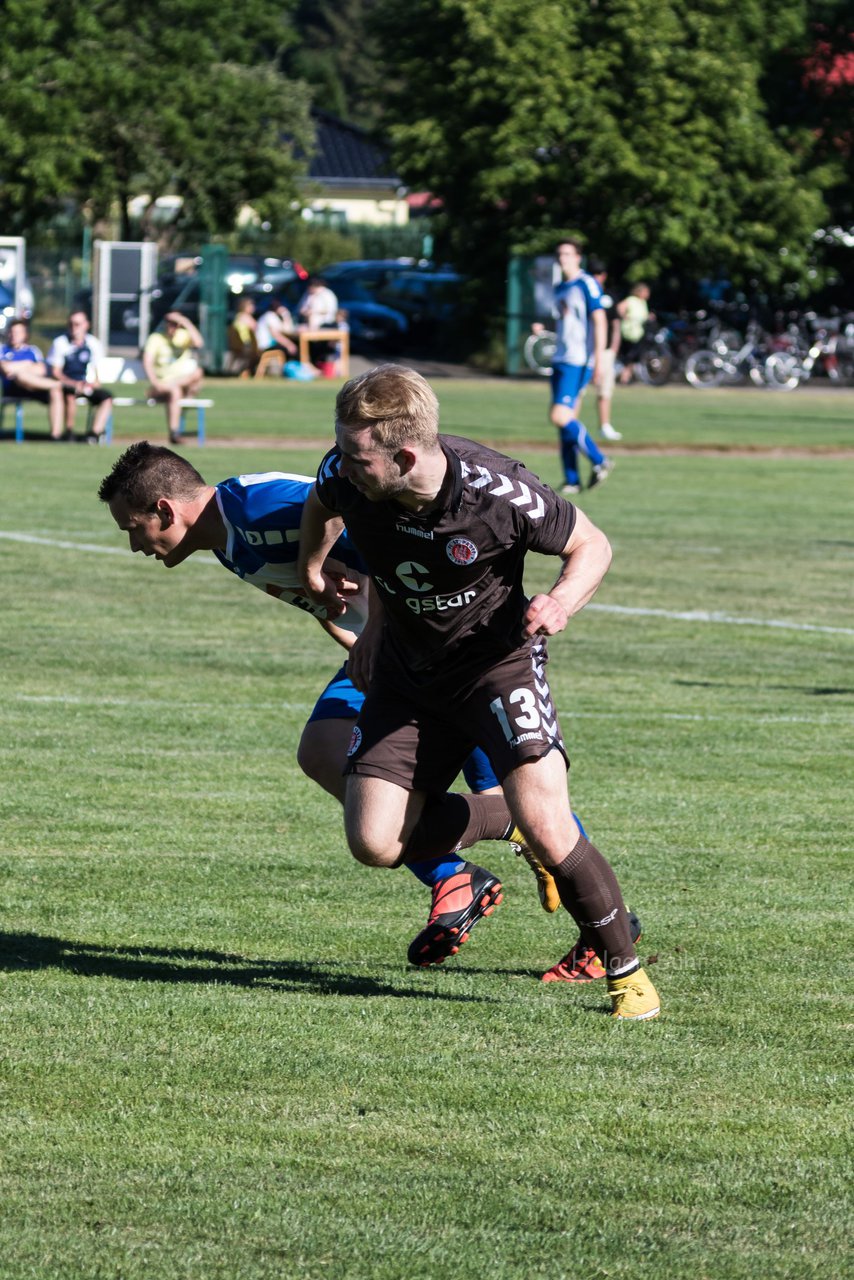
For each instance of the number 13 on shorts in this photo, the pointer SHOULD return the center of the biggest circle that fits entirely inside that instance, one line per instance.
(527, 716)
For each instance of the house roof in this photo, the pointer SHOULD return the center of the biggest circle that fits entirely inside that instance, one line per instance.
(346, 155)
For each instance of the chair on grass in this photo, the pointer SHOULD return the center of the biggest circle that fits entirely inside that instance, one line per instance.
(271, 362)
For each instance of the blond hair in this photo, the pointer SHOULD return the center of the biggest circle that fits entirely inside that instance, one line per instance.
(397, 404)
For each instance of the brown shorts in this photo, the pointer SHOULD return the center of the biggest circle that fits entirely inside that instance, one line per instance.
(418, 737)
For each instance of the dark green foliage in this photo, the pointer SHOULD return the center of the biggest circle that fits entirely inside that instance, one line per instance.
(639, 125)
(109, 101)
(335, 53)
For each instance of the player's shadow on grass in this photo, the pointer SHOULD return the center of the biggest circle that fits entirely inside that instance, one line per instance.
(812, 690)
(19, 951)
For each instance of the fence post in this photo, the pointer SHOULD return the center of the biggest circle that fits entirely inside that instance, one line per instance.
(520, 310)
(212, 310)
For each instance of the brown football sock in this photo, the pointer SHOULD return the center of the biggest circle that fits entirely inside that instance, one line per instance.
(451, 822)
(589, 890)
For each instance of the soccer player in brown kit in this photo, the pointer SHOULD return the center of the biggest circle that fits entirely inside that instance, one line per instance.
(454, 654)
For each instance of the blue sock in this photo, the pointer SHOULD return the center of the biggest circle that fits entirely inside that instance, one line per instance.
(431, 870)
(587, 444)
(569, 454)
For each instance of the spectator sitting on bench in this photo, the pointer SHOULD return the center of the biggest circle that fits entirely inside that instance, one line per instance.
(73, 360)
(274, 328)
(241, 335)
(25, 376)
(172, 368)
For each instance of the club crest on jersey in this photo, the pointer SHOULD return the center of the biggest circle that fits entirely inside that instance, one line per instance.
(461, 551)
(355, 740)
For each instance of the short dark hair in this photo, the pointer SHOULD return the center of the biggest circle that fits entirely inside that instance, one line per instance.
(596, 266)
(146, 472)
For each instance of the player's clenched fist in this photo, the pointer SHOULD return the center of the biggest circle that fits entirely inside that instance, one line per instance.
(544, 617)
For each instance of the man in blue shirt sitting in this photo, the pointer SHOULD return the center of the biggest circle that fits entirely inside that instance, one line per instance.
(25, 376)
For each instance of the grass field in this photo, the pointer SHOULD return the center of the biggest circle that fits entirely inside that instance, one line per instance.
(215, 1063)
(280, 412)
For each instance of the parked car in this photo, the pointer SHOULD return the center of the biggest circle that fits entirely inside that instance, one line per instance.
(178, 288)
(370, 274)
(431, 302)
(357, 285)
(7, 308)
(262, 278)
(397, 302)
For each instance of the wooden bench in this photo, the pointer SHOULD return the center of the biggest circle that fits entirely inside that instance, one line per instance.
(273, 359)
(148, 402)
(17, 403)
(119, 402)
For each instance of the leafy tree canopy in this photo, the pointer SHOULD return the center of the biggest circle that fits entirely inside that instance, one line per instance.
(335, 53)
(637, 123)
(101, 101)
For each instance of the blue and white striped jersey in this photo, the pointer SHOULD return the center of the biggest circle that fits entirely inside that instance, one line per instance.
(575, 302)
(262, 514)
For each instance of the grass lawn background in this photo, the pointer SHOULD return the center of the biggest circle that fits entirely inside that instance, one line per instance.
(214, 1060)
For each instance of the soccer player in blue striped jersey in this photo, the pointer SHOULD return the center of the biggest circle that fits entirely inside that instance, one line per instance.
(251, 524)
(581, 340)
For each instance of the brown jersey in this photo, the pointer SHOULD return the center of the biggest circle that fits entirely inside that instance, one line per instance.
(450, 580)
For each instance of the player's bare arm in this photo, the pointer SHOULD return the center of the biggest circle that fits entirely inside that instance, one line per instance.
(586, 558)
(354, 588)
(360, 664)
(346, 639)
(320, 529)
(600, 341)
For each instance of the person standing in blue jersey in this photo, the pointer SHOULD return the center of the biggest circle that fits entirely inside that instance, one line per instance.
(581, 342)
(251, 524)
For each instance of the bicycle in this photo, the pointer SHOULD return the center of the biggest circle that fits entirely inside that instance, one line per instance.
(713, 367)
(799, 353)
(655, 361)
(539, 351)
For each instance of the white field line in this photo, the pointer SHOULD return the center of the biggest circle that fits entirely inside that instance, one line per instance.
(62, 544)
(627, 717)
(727, 619)
(722, 619)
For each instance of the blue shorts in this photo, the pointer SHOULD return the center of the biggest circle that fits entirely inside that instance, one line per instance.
(568, 382)
(341, 700)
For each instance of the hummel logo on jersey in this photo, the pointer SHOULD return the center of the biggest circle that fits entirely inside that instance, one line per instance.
(416, 533)
(531, 503)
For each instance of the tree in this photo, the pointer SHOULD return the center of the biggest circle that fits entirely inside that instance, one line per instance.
(334, 52)
(102, 101)
(636, 123)
(808, 87)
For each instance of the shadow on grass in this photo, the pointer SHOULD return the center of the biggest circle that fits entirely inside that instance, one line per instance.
(814, 691)
(19, 951)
